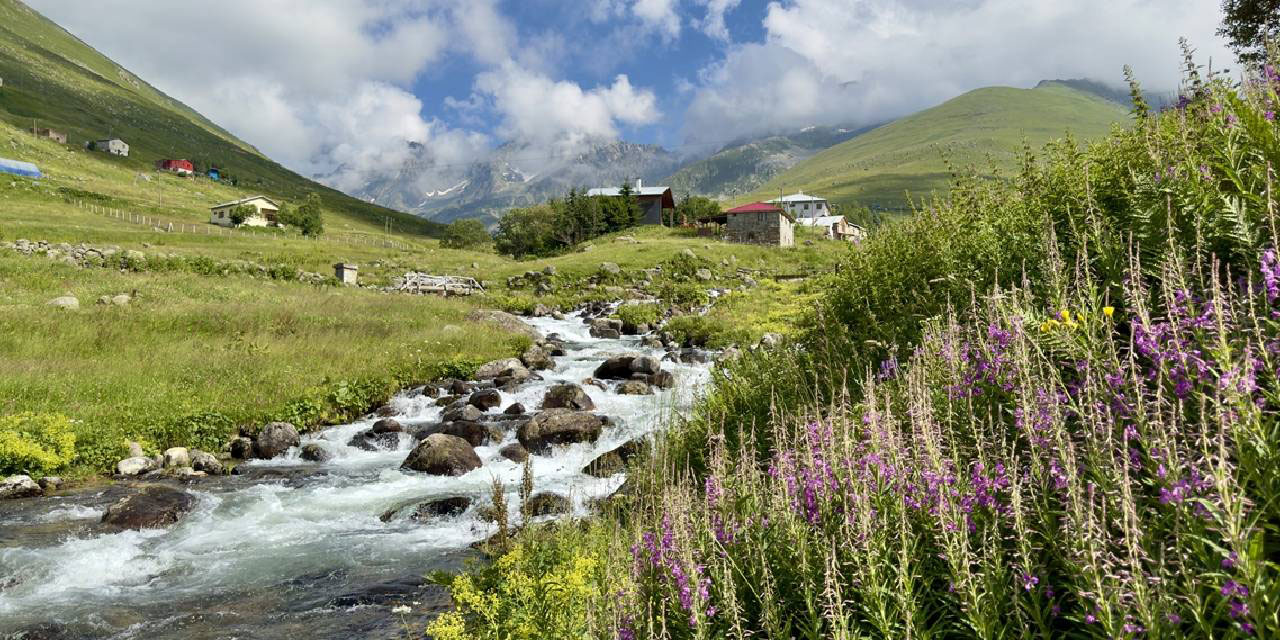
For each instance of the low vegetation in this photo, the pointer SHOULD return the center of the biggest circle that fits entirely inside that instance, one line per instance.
(1041, 408)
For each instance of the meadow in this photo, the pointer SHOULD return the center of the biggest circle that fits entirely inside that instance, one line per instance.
(1045, 408)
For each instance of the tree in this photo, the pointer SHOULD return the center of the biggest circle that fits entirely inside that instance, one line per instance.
(306, 216)
(692, 208)
(527, 232)
(465, 234)
(1248, 25)
(241, 213)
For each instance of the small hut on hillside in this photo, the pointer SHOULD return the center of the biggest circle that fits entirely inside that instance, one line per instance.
(755, 223)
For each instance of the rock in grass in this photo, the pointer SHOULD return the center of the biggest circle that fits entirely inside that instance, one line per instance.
(275, 439)
(69, 303)
(136, 466)
(504, 321)
(176, 457)
(443, 455)
(19, 487)
(154, 507)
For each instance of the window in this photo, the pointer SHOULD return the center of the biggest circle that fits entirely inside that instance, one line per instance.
(806, 206)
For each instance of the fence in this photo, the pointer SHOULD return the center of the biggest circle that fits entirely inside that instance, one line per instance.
(170, 226)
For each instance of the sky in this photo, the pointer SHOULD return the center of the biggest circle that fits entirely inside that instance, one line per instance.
(321, 84)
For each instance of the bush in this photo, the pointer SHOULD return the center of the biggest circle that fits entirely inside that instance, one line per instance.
(35, 444)
(465, 234)
(637, 314)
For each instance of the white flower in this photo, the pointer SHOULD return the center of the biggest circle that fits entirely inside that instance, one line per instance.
(402, 609)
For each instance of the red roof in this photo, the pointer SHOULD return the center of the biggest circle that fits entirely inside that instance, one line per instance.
(755, 207)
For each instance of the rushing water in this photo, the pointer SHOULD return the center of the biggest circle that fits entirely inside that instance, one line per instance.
(292, 547)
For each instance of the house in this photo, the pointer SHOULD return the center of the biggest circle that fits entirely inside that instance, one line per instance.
(756, 223)
(180, 167)
(114, 146)
(835, 227)
(803, 205)
(220, 214)
(653, 200)
(19, 168)
(56, 136)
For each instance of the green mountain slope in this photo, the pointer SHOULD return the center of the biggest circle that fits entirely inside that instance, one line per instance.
(984, 128)
(52, 79)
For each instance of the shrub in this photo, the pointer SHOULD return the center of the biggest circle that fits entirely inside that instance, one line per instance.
(35, 444)
(465, 234)
(638, 314)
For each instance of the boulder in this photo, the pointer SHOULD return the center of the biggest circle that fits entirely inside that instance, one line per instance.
(536, 358)
(475, 433)
(558, 426)
(662, 380)
(606, 328)
(504, 321)
(316, 452)
(504, 368)
(567, 396)
(614, 461)
(367, 440)
(65, 302)
(431, 391)
(136, 466)
(465, 412)
(206, 462)
(546, 504)
(242, 448)
(514, 452)
(121, 300)
(386, 425)
(645, 364)
(634, 388)
(459, 387)
(154, 507)
(441, 507)
(443, 455)
(610, 268)
(485, 399)
(19, 487)
(703, 274)
(176, 457)
(514, 409)
(770, 340)
(275, 439)
(50, 483)
(615, 368)
(385, 411)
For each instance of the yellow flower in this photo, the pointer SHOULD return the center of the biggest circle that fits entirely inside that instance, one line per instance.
(1108, 311)
(1066, 315)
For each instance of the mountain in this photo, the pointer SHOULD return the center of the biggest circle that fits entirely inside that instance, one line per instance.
(743, 166)
(514, 175)
(55, 80)
(984, 129)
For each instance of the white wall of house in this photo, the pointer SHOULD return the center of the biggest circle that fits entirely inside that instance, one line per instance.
(222, 215)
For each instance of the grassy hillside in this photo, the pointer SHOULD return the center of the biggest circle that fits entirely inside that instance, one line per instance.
(54, 80)
(984, 128)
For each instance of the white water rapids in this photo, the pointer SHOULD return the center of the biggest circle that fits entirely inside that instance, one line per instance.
(293, 547)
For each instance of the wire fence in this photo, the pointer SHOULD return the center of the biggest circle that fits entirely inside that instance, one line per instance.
(166, 225)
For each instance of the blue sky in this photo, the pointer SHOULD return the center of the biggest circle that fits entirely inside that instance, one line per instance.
(320, 84)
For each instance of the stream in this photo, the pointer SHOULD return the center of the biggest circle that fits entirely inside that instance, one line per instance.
(289, 547)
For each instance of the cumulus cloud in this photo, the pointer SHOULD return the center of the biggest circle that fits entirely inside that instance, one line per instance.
(659, 15)
(712, 22)
(866, 61)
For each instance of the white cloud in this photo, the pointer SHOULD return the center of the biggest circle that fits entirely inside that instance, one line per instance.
(712, 23)
(865, 61)
(659, 15)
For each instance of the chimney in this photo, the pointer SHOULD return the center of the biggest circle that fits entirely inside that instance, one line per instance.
(639, 184)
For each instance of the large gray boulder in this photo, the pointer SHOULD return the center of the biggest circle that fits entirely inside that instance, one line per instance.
(615, 461)
(536, 358)
(315, 452)
(504, 368)
(175, 457)
(206, 462)
(68, 302)
(442, 455)
(567, 396)
(663, 380)
(558, 426)
(634, 388)
(485, 399)
(136, 466)
(19, 487)
(275, 439)
(475, 433)
(645, 364)
(514, 452)
(606, 328)
(467, 412)
(154, 507)
(368, 440)
(616, 367)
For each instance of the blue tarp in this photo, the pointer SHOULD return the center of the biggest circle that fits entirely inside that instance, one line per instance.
(19, 168)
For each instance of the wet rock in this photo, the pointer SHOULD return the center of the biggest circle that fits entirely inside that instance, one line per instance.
(475, 433)
(567, 396)
(606, 328)
(316, 452)
(615, 461)
(690, 355)
(43, 631)
(442, 454)
(546, 504)
(176, 457)
(514, 452)
(485, 399)
(459, 388)
(504, 368)
(367, 440)
(652, 342)
(50, 483)
(154, 507)
(242, 448)
(663, 380)
(136, 466)
(206, 462)
(514, 409)
(558, 426)
(466, 412)
(430, 391)
(634, 388)
(443, 507)
(645, 364)
(275, 439)
(384, 411)
(444, 401)
(535, 358)
(387, 425)
(504, 321)
(19, 487)
(615, 367)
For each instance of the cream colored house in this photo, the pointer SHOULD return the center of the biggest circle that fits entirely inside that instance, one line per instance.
(266, 216)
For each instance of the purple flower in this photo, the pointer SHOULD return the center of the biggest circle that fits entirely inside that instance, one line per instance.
(1029, 581)
(1229, 562)
(1238, 609)
(1174, 618)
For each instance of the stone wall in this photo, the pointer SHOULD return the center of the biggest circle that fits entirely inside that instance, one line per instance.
(761, 228)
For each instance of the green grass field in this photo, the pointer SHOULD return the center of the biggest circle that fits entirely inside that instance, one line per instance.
(984, 129)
